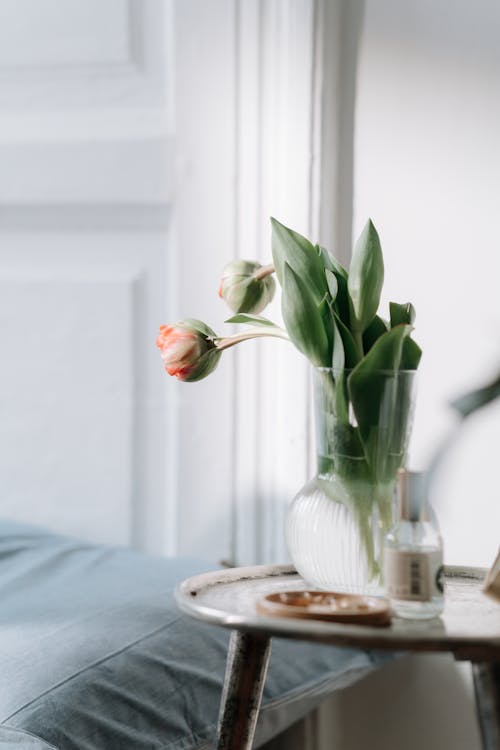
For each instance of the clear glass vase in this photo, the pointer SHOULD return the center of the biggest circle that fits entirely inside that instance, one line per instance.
(336, 524)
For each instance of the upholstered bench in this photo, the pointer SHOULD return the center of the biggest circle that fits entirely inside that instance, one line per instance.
(94, 654)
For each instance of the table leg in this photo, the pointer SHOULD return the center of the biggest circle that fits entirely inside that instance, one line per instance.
(487, 689)
(246, 668)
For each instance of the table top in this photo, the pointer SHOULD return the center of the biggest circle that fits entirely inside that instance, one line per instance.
(469, 626)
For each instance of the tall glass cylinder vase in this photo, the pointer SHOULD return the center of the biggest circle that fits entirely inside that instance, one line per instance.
(336, 524)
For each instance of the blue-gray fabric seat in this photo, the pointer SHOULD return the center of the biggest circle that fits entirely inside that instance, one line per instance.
(94, 654)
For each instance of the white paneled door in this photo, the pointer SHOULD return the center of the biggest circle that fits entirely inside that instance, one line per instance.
(144, 144)
(85, 237)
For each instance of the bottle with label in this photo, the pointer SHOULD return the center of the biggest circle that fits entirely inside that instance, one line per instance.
(413, 552)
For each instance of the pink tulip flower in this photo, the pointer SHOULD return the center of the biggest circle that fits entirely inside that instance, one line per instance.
(187, 350)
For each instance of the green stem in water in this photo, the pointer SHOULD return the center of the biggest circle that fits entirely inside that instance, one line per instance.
(363, 498)
(358, 340)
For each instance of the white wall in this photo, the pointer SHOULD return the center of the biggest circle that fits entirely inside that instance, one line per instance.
(420, 701)
(427, 170)
(428, 173)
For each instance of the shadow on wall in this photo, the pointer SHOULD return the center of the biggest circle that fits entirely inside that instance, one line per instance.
(395, 708)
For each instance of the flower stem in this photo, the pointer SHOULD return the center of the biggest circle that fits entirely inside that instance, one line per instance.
(264, 271)
(252, 333)
(358, 340)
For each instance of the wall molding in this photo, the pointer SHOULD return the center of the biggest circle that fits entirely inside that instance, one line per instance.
(78, 218)
(296, 78)
(131, 13)
(136, 76)
(274, 111)
(96, 133)
(82, 172)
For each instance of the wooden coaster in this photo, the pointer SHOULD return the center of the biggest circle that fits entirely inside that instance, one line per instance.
(327, 605)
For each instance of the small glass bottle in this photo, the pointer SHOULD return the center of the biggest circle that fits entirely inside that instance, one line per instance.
(413, 552)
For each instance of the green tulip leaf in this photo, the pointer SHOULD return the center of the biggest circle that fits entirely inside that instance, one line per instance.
(338, 356)
(385, 354)
(411, 354)
(350, 349)
(303, 319)
(366, 276)
(379, 403)
(478, 398)
(333, 270)
(401, 313)
(292, 248)
(254, 320)
(333, 284)
(346, 442)
(342, 403)
(325, 312)
(338, 367)
(330, 263)
(342, 302)
(375, 330)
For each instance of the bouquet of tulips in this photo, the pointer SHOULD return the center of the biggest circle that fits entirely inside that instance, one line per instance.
(331, 315)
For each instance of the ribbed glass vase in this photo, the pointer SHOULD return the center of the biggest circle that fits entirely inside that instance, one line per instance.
(336, 524)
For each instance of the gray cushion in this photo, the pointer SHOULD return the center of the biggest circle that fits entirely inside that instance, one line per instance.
(94, 654)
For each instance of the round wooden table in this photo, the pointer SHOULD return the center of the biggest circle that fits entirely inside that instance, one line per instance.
(469, 628)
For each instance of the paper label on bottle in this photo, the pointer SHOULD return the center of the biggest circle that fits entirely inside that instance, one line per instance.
(413, 576)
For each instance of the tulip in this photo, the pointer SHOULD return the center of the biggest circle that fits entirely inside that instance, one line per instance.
(247, 286)
(188, 349)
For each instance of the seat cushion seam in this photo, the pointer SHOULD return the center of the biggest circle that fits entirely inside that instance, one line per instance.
(27, 733)
(88, 667)
(289, 696)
